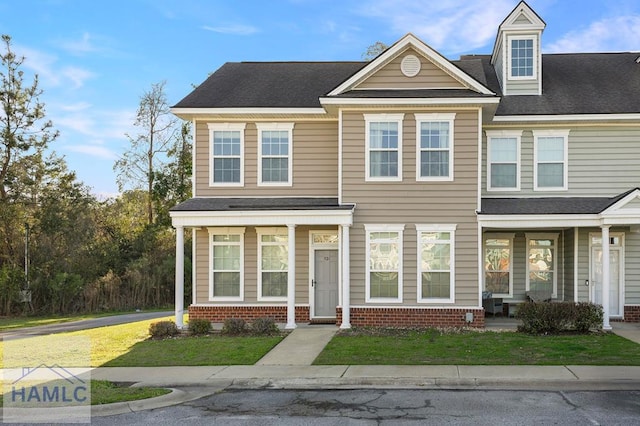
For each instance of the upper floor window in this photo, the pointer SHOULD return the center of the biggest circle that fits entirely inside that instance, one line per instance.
(503, 160)
(384, 263)
(436, 264)
(275, 154)
(550, 160)
(227, 154)
(434, 134)
(226, 280)
(383, 141)
(522, 57)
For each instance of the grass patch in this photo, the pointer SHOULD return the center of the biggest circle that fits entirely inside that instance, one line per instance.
(11, 323)
(105, 392)
(128, 345)
(477, 348)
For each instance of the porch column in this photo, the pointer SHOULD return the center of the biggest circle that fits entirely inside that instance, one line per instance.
(346, 285)
(291, 279)
(606, 278)
(179, 275)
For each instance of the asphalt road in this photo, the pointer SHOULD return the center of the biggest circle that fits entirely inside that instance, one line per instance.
(395, 407)
(43, 330)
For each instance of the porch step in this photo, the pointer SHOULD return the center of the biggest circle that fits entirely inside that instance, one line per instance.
(322, 321)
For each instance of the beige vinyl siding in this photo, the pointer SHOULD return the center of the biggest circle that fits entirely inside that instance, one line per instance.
(391, 77)
(410, 202)
(315, 163)
(632, 268)
(603, 162)
(569, 263)
(499, 66)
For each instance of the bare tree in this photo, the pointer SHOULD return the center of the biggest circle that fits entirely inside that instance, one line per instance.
(138, 166)
(374, 50)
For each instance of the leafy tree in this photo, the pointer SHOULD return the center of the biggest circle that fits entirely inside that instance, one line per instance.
(138, 167)
(374, 50)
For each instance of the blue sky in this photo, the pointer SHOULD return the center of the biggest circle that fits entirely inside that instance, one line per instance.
(96, 58)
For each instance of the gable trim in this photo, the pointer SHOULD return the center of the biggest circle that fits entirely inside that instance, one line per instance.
(254, 110)
(408, 101)
(617, 209)
(566, 117)
(421, 47)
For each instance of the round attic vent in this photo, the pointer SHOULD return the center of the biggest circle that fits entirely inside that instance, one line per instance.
(410, 65)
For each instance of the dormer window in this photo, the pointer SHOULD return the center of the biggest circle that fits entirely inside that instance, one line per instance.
(522, 60)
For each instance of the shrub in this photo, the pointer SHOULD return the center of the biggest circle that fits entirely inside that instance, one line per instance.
(234, 326)
(163, 329)
(550, 317)
(199, 326)
(264, 327)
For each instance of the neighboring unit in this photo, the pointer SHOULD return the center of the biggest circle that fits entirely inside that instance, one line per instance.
(396, 192)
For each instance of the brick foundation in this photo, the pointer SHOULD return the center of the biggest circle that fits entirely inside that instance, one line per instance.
(412, 317)
(632, 313)
(248, 313)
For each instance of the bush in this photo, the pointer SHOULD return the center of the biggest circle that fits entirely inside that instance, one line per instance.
(199, 326)
(163, 329)
(234, 326)
(264, 327)
(550, 317)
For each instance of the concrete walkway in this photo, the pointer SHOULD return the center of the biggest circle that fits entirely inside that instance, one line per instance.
(301, 347)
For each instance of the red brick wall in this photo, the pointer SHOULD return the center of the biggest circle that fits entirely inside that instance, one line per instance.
(247, 313)
(632, 313)
(412, 317)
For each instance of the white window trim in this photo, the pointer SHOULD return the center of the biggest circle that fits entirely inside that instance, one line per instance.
(556, 252)
(269, 231)
(551, 134)
(533, 37)
(373, 118)
(498, 236)
(383, 228)
(229, 127)
(504, 134)
(226, 231)
(451, 229)
(437, 118)
(262, 127)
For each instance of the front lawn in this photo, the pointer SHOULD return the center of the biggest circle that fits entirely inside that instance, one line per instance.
(367, 347)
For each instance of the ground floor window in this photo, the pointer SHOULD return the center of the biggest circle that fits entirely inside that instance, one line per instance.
(541, 263)
(384, 263)
(498, 272)
(436, 253)
(226, 272)
(273, 263)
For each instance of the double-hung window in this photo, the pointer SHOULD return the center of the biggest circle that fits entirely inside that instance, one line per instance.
(542, 263)
(226, 282)
(550, 154)
(383, 141)
(503, 160)
(273, 263)
(384, 263)
(436, 263)
(522, 57)
(498, 268)
(227, 154)
(275, 154)
(434, 157)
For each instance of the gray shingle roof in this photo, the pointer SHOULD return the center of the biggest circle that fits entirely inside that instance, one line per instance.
(586, 83)
(238, 204)
(548, 205)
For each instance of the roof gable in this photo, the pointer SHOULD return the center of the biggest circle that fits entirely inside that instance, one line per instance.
(387, 61)
(522, 17)
(627, 205)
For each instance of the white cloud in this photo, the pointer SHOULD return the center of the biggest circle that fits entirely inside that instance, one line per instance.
(77, 76)
(620, 33)
(50, 72)
(233, 29)
(99, 151)
(450, 26)
(82, 46)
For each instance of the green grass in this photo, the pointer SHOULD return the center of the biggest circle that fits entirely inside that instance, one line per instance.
(11, 323)
(105, 392)
(128, 345)
(477, 348)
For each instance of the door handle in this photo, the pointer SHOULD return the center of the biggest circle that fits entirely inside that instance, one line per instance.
(586, 282)
(313, 283)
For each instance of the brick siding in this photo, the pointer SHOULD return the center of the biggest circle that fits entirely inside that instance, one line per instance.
(412, 317)
(248, 313)
(632, 313)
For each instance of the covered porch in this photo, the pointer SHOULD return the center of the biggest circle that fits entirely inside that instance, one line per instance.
(285, 258)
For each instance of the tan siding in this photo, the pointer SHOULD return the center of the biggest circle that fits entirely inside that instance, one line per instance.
(410, 202)
(202, 266)
(315, 163)
(603, 161)
(632, 268)
(391, 77)
(569, 263)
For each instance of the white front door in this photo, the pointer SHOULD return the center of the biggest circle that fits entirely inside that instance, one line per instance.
(325, 283)
(615, 274)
